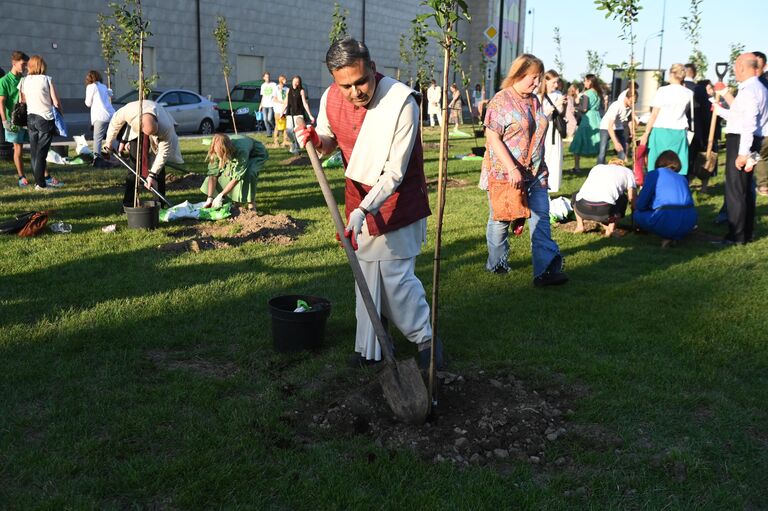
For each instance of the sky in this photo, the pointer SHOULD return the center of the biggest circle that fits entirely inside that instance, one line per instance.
(583, 27)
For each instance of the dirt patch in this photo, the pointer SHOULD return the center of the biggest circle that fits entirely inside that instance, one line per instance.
(592, 227)
(451, 183)
(481, 419)
(171, 360)
(245, 226)
(187, 181)
(296, 161)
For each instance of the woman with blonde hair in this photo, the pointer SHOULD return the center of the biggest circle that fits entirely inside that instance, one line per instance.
(234, 164)
(586, 140)
(515, 128)
(666, 129)
(38, 92)
(552, 99)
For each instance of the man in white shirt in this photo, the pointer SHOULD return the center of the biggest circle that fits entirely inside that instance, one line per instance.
(746, 125)
(267, 103)
(604, 196)
(612, 126)
(158, 135)
(374, 121)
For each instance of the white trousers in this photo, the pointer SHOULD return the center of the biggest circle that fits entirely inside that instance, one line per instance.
(399, 295)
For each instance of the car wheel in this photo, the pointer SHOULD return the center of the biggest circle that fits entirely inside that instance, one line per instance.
(206, 127)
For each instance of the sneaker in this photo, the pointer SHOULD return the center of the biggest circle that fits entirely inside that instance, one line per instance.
(39, 188)
(549, 278)
(426, 354)
(23, 182)
(52, 181)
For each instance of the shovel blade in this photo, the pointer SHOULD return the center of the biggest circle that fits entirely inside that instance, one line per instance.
(405, 391)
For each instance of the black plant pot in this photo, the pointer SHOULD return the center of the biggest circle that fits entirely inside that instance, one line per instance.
(146, 216)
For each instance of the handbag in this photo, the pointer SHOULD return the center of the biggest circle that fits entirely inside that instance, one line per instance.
(508, 203)
(558, 121)
(19, 114)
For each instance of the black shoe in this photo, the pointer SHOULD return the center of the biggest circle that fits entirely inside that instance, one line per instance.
(426, 354)
(549, 278)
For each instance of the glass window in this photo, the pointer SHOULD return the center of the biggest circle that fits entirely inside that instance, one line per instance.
(134, 95)
(246, 95)
(170, 99)
(189, 99)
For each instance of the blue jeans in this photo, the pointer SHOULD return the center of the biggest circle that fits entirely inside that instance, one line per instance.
(269, 119)
(40, 138)
(605, 140)
(544, 251)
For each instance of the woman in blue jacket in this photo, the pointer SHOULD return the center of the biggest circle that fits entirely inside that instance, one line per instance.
(665, 205)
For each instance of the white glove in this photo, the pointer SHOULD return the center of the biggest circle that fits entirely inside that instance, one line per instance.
(218, 201)
(355, 225)
(8, 125)
(208, 203)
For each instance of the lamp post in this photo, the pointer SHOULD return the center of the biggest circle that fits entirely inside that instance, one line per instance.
(532, 12)
(657, 34)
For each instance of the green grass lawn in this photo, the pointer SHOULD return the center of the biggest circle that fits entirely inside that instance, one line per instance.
(103, 404)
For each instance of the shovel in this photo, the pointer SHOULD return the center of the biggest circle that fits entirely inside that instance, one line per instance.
(710, 158)
(143, 181)
(400, 381)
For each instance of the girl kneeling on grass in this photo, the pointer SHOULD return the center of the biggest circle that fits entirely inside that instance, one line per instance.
(234, 164)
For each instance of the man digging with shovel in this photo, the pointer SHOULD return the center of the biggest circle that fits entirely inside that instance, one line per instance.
(374, 121)
(158, 133)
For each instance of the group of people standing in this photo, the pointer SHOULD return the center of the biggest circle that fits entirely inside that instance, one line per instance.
(281, 107)
(37, 91)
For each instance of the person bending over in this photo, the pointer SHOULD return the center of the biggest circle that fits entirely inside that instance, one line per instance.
(665, 205)
(234, 164)
(604, 195)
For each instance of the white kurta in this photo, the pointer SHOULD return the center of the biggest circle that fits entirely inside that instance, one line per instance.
(553, 152)
(388, 260)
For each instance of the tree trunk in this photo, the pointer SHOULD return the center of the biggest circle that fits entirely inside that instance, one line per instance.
(442, 177)
(141, 112)
(231, 110)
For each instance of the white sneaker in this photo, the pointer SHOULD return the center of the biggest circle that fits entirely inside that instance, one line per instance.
(39, 188)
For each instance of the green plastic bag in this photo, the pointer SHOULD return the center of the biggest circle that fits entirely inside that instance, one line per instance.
(216, 213)
(334, 162)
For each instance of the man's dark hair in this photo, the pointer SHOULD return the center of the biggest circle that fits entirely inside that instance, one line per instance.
(692, 67)
(669, 160)
(345, 52)
(19, 55)
(759, 55)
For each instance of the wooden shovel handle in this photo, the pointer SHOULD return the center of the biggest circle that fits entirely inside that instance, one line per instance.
(357, 272)
(712, 124)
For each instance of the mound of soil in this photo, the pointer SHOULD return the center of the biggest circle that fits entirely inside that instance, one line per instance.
(480, 419)
(245, 226)
(187, 181)
(298, 160)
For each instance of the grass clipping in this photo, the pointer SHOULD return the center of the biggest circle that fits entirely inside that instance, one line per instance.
(244, 226)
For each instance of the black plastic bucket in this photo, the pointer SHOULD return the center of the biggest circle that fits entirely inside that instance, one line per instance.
(145, 217)
(296, 331)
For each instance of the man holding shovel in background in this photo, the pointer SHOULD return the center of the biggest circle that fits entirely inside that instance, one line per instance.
(374, 121)
(158, 133)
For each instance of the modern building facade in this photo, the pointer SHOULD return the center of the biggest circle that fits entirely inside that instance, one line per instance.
(288, 37)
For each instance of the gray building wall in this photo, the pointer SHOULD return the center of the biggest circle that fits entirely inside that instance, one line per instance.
(291, 37)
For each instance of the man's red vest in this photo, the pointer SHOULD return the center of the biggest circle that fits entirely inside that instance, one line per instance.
(409, 202)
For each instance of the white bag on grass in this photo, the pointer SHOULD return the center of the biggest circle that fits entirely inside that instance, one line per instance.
(82, 146)
(559, 208)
